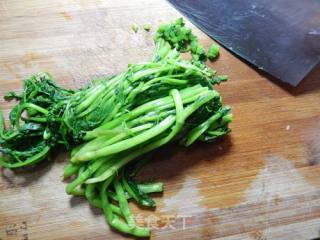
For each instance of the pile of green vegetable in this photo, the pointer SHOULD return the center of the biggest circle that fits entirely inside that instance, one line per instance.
(110, 125)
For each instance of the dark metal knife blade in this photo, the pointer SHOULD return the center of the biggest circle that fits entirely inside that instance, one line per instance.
(280, 37)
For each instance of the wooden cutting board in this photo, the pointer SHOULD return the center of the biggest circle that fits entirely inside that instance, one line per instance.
(261, 182)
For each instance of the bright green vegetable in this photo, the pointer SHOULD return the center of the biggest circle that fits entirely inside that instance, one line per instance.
(182, 39)
(112, 124)
(213, 51)
(44, 103)
(135, 27)
(147, 27)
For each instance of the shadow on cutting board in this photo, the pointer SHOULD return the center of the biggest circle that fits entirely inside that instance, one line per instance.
(172, 161)
(311, 83)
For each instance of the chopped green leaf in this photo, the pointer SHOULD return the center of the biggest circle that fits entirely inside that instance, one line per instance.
(147, 27)
(135, 27)
(213, 52)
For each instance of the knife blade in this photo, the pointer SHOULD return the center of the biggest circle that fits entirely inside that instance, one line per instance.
(279, 37)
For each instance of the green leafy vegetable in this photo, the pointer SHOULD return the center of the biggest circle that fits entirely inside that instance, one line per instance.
(213, 51)
(32, 135)
(116, 121)
(147, 27)
(135, 27)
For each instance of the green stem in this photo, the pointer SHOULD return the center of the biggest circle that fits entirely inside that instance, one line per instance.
(187, 95)
(70, 169)
(107, 140)
(150, 187)
(28, 105)
(123, 203)
(195, 133)
(114, 220)
(128, 143)
(120, 162)
(91, 169)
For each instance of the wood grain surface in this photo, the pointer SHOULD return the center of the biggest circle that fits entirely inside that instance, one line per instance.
(261, 182)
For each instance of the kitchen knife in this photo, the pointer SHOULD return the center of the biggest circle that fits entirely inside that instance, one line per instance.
(280, 37)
